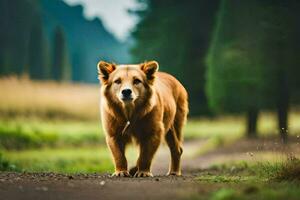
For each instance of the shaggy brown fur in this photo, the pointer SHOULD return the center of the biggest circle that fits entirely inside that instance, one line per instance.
(154, 103)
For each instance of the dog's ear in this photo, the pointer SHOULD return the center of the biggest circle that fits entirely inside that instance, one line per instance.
(149, 68)
(104, 70)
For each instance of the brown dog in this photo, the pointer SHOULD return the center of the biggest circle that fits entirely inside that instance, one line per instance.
(139, 103)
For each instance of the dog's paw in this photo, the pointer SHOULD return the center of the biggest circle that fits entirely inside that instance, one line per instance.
(143, 174)
(174, 174)
(121, 174)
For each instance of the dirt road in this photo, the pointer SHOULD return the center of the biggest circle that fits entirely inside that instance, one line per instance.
(30, 186)
(77, 187)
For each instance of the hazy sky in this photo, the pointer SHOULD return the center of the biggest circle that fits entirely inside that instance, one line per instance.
(112, 12)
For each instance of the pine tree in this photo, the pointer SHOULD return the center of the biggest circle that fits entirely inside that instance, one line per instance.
(235, 81)
(38, 54)
(16, 24)
(61, 69)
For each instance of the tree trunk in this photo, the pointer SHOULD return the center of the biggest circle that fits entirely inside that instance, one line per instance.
(252, 123)
(283, 107)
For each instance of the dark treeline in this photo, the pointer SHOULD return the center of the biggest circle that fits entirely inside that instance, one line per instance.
(176, 33)
(251, 49)
(48, 39)
(253, 62)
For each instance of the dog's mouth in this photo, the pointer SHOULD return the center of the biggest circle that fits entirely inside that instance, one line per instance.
(126, 99)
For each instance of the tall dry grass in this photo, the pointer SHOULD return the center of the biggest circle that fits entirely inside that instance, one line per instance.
(48, 99)
(23, 97)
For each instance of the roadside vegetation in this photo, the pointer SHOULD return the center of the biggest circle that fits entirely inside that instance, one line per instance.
(263, 180)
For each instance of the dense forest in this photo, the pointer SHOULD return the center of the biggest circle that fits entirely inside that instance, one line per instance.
(253, 62)
(232, 56)
(48, 39)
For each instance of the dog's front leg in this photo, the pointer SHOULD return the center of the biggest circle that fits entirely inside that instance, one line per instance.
(117, 147)
(148, 148)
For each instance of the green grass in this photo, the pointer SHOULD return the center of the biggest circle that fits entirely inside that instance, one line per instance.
(5, 165)
(264, 180)
(276, 191)
(64, 160)
(206, 128)
(287, 169)
(24, 133)
(35, 133)
(28, 133)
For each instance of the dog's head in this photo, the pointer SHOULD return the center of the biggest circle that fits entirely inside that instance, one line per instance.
(127, 84)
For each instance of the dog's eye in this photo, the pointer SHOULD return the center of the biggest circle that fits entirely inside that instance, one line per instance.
(136, 81)
(118, 81)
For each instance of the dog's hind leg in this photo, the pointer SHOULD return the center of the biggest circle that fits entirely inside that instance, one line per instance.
(175, 150)
(174, 139)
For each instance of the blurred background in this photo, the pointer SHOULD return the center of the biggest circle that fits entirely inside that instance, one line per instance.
(239, 61)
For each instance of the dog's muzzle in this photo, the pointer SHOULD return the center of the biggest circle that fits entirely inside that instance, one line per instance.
(126, 95)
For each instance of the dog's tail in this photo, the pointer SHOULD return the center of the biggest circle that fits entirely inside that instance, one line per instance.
(133, 170)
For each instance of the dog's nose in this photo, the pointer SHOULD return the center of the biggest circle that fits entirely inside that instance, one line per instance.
(126, 92)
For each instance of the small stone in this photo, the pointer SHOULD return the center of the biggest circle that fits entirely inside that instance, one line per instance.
(71, 177)
(102, 183)
(157, 179)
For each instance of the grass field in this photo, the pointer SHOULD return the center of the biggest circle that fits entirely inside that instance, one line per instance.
(23, 97)
(32, 132)
(48, 126)
(24, 133)
(72, 146)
